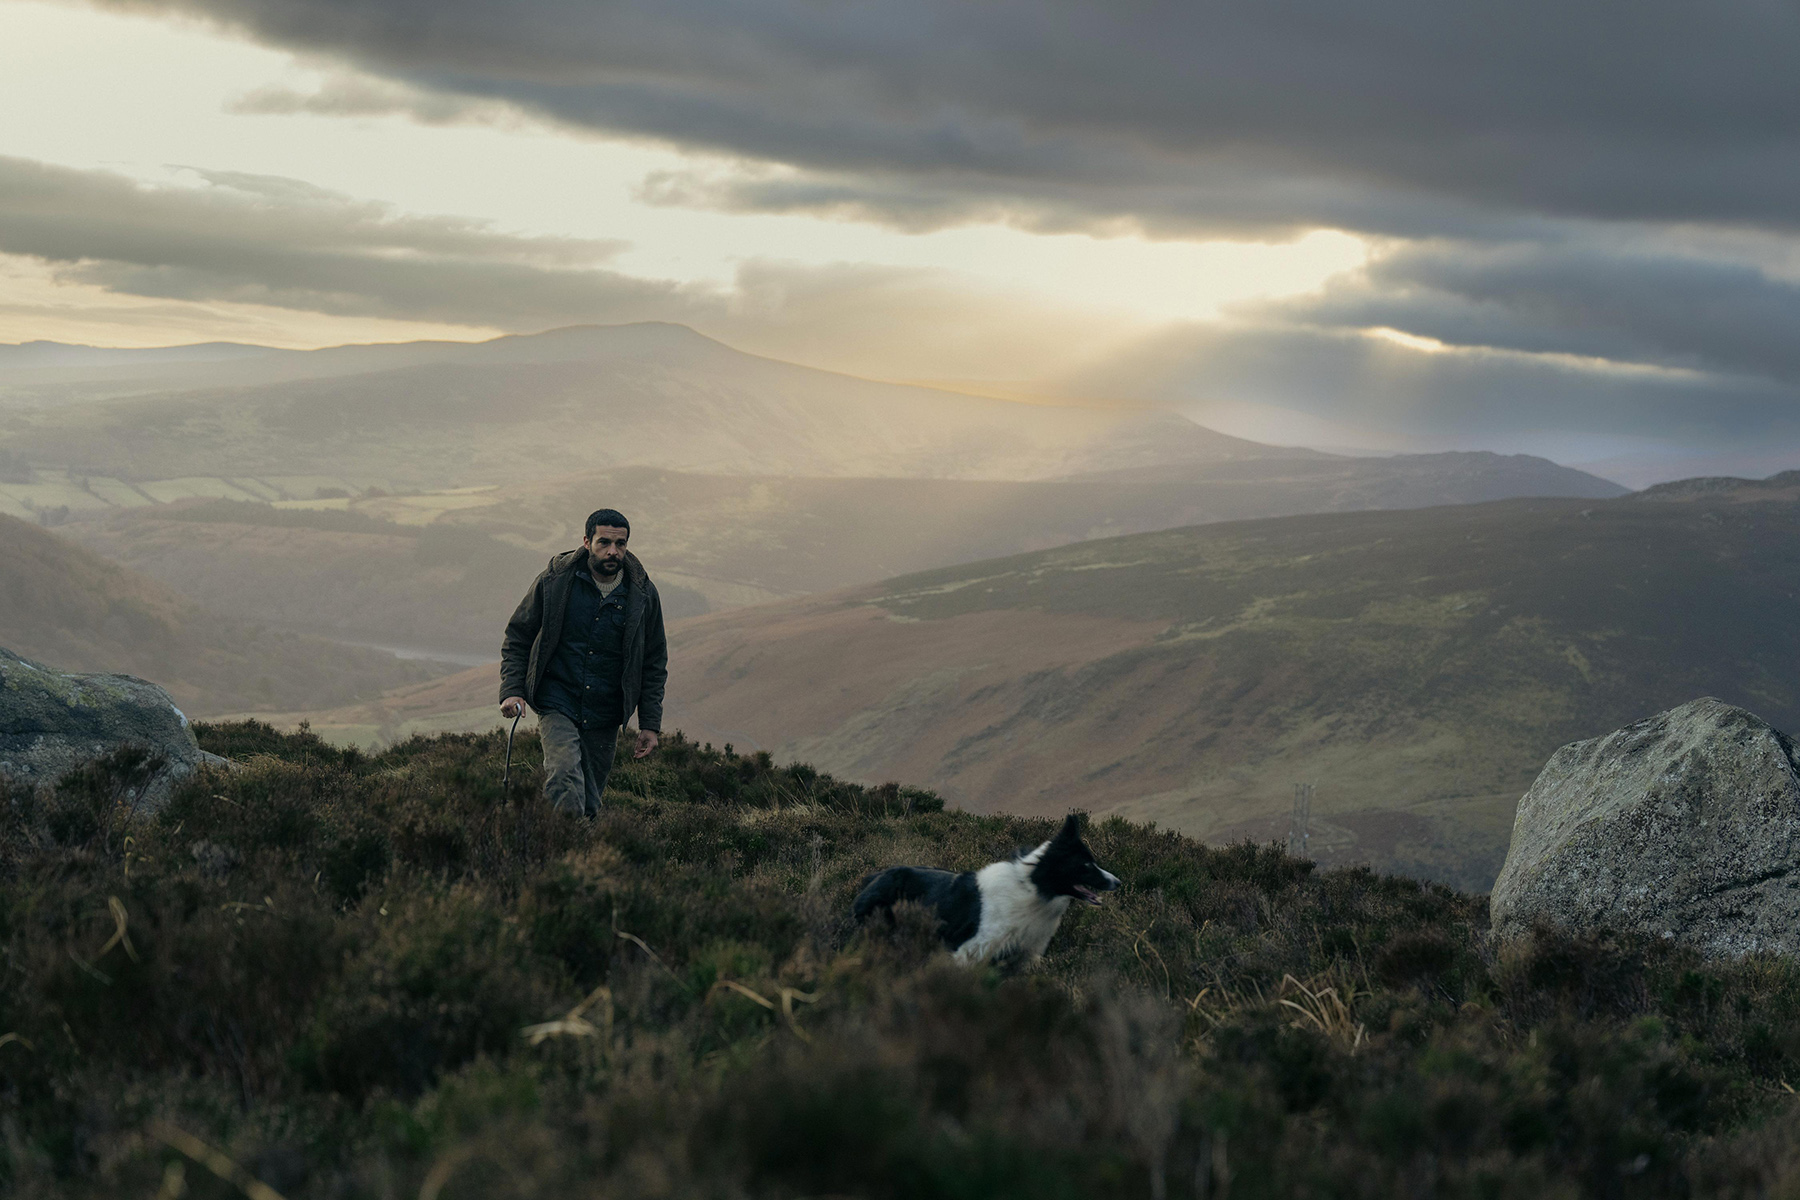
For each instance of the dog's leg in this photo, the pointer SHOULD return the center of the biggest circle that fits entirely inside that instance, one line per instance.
(1015, 961)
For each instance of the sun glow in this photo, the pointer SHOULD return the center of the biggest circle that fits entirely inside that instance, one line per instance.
(1412, 341)
(150, 98)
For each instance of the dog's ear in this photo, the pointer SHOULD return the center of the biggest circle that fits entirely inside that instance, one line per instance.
(1071, 828)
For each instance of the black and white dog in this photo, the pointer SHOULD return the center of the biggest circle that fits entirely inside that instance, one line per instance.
(1006, 910)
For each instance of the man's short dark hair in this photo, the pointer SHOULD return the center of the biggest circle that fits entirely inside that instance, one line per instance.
(612, 518)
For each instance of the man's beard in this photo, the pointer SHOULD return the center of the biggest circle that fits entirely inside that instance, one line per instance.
(608, 566)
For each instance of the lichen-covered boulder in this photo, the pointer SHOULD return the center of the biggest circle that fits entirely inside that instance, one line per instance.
(1684, 826)
(53, 721)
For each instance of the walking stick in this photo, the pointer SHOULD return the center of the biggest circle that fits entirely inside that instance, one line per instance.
(506, 771)
(506, 791)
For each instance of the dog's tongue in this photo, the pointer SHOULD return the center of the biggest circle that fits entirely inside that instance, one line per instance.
(1089, 896)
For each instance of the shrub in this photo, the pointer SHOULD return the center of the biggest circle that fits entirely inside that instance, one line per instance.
(324, 965)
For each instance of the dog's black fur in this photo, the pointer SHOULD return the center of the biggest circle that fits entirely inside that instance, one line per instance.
(955, 897)
(1006, 909)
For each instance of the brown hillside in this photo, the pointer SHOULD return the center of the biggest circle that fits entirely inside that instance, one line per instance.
(790, 536)
(66, 606)
(715, 541)
(462, 702)
(1418, 667)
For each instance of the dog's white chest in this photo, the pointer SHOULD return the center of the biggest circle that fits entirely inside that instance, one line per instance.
(1015, 917)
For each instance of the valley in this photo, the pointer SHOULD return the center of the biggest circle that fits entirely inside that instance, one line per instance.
(1099, 607)
(1417, 667)
(442, 570)
(67, 607)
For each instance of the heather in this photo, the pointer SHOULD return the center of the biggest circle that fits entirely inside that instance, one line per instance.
(332, 974)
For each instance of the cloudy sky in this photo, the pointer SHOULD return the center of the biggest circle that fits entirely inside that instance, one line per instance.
(1568, 228)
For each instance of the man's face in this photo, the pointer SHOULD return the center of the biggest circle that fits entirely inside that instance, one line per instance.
(606, 548)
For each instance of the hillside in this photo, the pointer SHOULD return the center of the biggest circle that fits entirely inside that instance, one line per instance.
(31, 358)
(790, 536)
(465, 701)
(331, 975)
(1417, 666)
(443, 571)
(425, 415)
(432, 588)
(64, 605)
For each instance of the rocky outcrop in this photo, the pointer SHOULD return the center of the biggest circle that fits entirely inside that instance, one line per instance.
(1684, 826)
(53, 721)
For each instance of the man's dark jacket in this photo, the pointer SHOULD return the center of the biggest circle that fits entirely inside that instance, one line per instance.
(536, 630)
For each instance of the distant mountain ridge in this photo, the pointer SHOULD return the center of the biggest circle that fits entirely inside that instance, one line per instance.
(434, 414)
(73, 356)
(1396, 480)
(1724, 488)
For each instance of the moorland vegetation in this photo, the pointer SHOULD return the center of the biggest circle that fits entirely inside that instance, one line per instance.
(330, 974)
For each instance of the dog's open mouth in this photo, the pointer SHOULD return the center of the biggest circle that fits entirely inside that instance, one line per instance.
(1087, 895)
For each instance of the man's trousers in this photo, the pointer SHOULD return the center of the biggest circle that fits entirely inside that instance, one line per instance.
(576, 762)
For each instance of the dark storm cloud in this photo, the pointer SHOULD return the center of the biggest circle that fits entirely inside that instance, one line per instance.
(1480, 397)
(1572, 346)
(349, 95)
(1643, 303)
(1228, 201)
(1272, 112)
(282, 242)
(263, 240)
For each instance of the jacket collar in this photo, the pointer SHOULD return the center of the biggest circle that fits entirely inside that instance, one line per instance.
(577, 560)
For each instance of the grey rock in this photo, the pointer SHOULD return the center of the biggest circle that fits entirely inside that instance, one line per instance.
(54, 721)
(1685, 826)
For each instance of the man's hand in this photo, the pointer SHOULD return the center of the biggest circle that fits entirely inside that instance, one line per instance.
(512, 706)
(648, 740)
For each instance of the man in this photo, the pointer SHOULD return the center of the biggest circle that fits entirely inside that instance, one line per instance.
(585, 649)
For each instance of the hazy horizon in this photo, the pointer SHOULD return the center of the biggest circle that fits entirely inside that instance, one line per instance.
(1566, 237)
(1268, 424)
